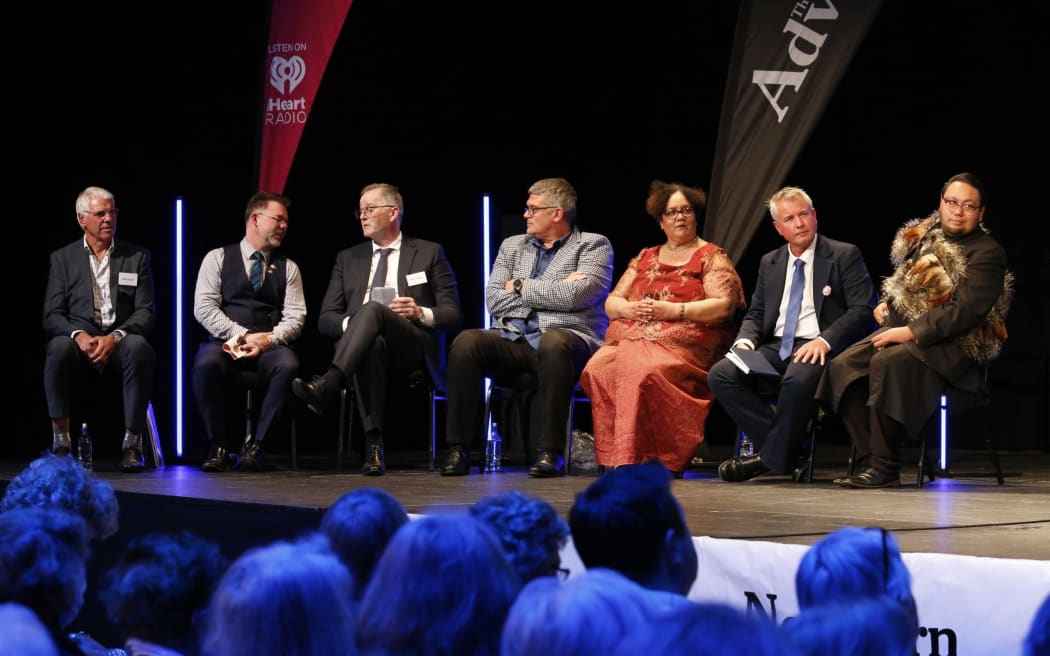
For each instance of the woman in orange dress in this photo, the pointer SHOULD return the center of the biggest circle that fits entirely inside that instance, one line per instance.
(672, 315)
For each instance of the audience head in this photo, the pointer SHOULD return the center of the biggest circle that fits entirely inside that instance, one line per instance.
(443, 586)
(283, 598)
(1037, 642)
(529, 529)
(53, 481)
(160, 585)
(22, 633)
(42, 563)
(853, 563)
(705, 629)
(629, 521)
(589, 614)
(869, 626)
(358, 526)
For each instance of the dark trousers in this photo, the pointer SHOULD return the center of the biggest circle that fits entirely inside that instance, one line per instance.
(133, 360)
(746, 398)
(477, 354)
(378, 346)
(214, 377)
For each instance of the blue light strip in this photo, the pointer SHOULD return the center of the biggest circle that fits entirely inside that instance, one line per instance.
(486, 237)
(178, 327)
(944, 433)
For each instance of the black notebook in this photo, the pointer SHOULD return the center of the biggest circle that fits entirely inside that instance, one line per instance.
(751, 362)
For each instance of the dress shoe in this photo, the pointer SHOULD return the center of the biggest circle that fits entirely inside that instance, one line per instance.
(549, 463)
(132, 461)
(802, 473)
(871, 478)
(374, 465)
(61, 445)
(317, 394)
(457, 463)
(251, 457)
(742, 468)
(216, 461)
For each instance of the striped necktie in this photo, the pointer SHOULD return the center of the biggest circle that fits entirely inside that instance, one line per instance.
(257, 270)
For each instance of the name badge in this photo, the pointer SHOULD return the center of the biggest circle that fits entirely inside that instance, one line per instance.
(414, 279)
(128, 279)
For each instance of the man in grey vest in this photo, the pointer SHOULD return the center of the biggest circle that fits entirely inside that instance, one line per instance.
(250, 300)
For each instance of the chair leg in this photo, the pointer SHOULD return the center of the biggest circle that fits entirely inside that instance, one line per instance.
(925, 467)
(433, 429)
(294, 446)
(342, 437)
(568, 435)
(154, 437)
(249, 406)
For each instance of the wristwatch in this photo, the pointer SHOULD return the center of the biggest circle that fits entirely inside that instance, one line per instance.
(117, 336)
(518, 282)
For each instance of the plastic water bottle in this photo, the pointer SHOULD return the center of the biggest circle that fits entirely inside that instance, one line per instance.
(85, 448)
(494, 450)
(747, 448)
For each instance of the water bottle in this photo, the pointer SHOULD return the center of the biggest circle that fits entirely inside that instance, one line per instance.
(85, 448)
(747, 448)
(494, 450)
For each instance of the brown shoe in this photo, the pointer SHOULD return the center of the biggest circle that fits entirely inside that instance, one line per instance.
(216, 461)
(457, 463)
(872, 478)
(374, 465)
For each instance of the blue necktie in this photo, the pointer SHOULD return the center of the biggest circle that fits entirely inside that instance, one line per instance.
(798, 284)
(379, 277)
(256, 275)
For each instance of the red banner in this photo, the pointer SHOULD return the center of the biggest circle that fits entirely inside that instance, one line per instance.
(302, 36)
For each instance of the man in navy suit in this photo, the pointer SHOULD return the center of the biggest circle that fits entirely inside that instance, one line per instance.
(98, 311)
(380, 339)
(834, 310)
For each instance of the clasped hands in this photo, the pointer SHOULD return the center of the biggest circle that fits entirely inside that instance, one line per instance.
(890, 336)
(649, 309)
(97, 348)
(249, 345)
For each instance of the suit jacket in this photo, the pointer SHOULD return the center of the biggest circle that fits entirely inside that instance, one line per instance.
(439, 292)
(844, 315)
(69, 302)
(578, 307)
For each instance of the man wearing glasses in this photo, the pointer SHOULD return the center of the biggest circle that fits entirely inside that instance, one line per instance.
(546, 295)
(249, 298)
(813, 298)
(389, 304)
(98, 311)
(942, 316)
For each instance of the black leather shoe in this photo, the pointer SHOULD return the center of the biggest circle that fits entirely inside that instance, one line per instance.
(317, 394)
(742, 468)
(457, 463)
(132, 461)
(872, 478)
(549, 464)
(251, 457)
(374, 465)
(216, 461)
(803, 472)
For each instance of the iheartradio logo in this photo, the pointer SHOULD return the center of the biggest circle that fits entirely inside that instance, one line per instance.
(286, 74)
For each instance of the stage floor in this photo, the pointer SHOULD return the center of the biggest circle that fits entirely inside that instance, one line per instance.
(965, 514)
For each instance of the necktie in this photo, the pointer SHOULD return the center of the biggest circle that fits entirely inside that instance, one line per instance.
(379, 279)
(798, 284)
(256, 275)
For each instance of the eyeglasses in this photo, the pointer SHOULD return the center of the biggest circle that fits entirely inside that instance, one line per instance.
(562, 574)
(102, 213)
(532, 209)
(370, 210)
(278, 219)
(954, 205)
(684, 211)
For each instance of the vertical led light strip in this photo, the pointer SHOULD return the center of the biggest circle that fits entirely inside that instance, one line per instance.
(485, 266)
(178, 326)
(944, 433)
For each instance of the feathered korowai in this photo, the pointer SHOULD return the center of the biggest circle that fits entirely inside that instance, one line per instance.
(928, 267)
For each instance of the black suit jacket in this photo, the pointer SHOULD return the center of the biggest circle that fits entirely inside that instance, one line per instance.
(439, 292)
(69, 302)
(844, 315)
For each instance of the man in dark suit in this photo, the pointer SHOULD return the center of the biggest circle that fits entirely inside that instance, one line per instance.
(249, 297)
(389, 304)
(98, 311)
(942, 316)
(797, 333)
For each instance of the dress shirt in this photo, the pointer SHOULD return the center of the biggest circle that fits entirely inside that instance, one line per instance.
(808, 327)
(207, 297)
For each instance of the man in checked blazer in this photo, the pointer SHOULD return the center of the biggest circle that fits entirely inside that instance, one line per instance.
(98, 311)
(546, 295)
(385, 340)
